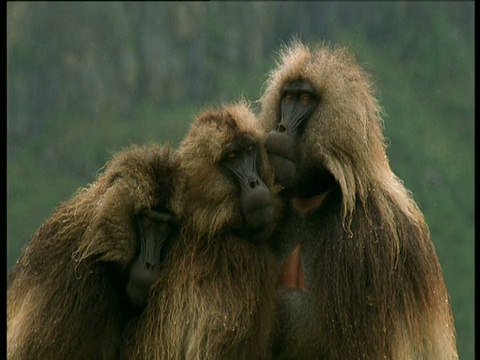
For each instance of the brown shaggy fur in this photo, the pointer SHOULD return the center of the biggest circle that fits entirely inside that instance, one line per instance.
(374, 286)
(215, 300)
(64, 293)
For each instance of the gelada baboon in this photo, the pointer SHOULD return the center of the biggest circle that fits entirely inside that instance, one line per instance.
(361, 279)
(89, 267)
(215, 298)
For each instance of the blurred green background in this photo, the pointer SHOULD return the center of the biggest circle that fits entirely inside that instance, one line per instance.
(87, 79)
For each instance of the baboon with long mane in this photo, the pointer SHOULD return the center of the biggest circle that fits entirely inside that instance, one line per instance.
(361, 279)
(88, 269)
(215, 298)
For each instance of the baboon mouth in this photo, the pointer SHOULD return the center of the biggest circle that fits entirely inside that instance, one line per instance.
(291, 276)
(284, 168)
(280, 158)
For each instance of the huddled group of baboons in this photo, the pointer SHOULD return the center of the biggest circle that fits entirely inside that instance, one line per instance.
(282, 234)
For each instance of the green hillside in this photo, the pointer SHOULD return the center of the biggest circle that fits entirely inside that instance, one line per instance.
(86, 79)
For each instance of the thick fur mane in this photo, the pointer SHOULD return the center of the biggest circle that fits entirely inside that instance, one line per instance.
(212, 302)
(215, 297)
(73, 263)
(383, 273)
(377, 266)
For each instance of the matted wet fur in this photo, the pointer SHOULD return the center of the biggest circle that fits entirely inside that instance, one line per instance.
(373, 284)
(215, 300)
(64, 296)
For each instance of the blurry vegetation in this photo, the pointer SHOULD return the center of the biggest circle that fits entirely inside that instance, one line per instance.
(85, 79)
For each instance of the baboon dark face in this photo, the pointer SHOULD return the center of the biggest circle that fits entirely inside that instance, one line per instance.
(297, 103)
(156, 233)
(242, 163)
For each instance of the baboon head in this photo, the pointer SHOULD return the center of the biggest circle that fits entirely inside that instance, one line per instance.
(88, 270)
(227, 174)
(323, 123)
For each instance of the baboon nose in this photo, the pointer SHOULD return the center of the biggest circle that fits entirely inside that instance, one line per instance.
(149, 265)
(254, 183)
(281, 128)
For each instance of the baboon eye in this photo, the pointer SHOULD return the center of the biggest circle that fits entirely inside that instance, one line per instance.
(287, 97)
(249, 150)
(146, 222)
(306, 99)
(231, 157)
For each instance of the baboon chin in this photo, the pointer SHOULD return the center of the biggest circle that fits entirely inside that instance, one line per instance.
(360, 278)
(215, 297)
